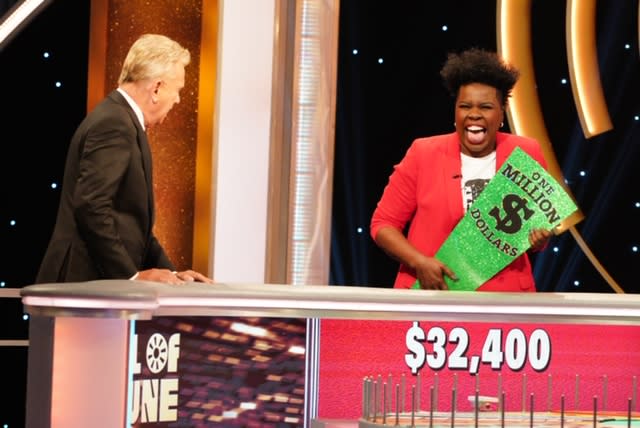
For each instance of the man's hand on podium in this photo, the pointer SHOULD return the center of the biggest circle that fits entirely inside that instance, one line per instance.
(172, 277)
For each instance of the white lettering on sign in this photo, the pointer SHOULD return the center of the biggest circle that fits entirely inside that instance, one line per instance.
(450, 350)
(155, 396)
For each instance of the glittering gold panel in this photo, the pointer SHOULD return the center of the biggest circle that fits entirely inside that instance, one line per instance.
(173, 143)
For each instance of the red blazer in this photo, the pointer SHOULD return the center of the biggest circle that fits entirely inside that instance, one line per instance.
(425, 190)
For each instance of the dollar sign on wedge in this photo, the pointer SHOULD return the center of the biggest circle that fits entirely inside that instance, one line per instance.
(511, 222)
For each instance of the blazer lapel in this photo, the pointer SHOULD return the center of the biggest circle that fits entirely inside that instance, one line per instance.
(503, 149)
(453, 177)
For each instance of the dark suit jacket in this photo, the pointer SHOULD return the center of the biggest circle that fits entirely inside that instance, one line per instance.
(104, 226)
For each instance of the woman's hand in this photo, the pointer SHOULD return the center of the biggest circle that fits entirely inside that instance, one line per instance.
(539, 238)
(431, 272)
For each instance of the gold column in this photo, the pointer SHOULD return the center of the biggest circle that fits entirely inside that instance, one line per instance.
(182, 144)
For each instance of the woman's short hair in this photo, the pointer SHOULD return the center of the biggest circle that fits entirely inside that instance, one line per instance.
(477, 65)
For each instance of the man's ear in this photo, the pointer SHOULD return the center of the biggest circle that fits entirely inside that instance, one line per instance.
(155, 86)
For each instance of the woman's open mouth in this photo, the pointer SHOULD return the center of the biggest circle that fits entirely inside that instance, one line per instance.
(475, 134)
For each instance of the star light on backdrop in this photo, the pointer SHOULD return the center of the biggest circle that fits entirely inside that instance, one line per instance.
(17, 16)
(38, 120)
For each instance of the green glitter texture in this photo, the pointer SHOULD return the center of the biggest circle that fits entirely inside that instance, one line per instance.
(495, 230)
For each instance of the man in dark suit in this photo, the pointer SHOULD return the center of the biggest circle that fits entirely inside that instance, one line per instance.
(104, 226)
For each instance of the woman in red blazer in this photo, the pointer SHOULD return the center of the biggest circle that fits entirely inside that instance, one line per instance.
(440, 177)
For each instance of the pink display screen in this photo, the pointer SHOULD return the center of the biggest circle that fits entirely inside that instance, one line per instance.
(576, 366)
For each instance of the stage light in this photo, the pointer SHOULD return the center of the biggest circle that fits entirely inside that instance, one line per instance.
(297, 350)
(19, 17)
(583, 68)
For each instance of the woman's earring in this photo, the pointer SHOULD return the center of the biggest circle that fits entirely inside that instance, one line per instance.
(501, 124)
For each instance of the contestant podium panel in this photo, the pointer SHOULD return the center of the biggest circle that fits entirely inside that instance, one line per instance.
(219, 371)
(129, 353)
(443, 373)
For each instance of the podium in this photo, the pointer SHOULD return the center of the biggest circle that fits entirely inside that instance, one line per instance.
(83, 351)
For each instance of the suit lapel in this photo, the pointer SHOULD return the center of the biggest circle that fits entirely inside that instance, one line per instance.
(145, 152)
(147, 164)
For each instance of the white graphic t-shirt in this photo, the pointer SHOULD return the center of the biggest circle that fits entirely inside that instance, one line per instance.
(476, 174)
